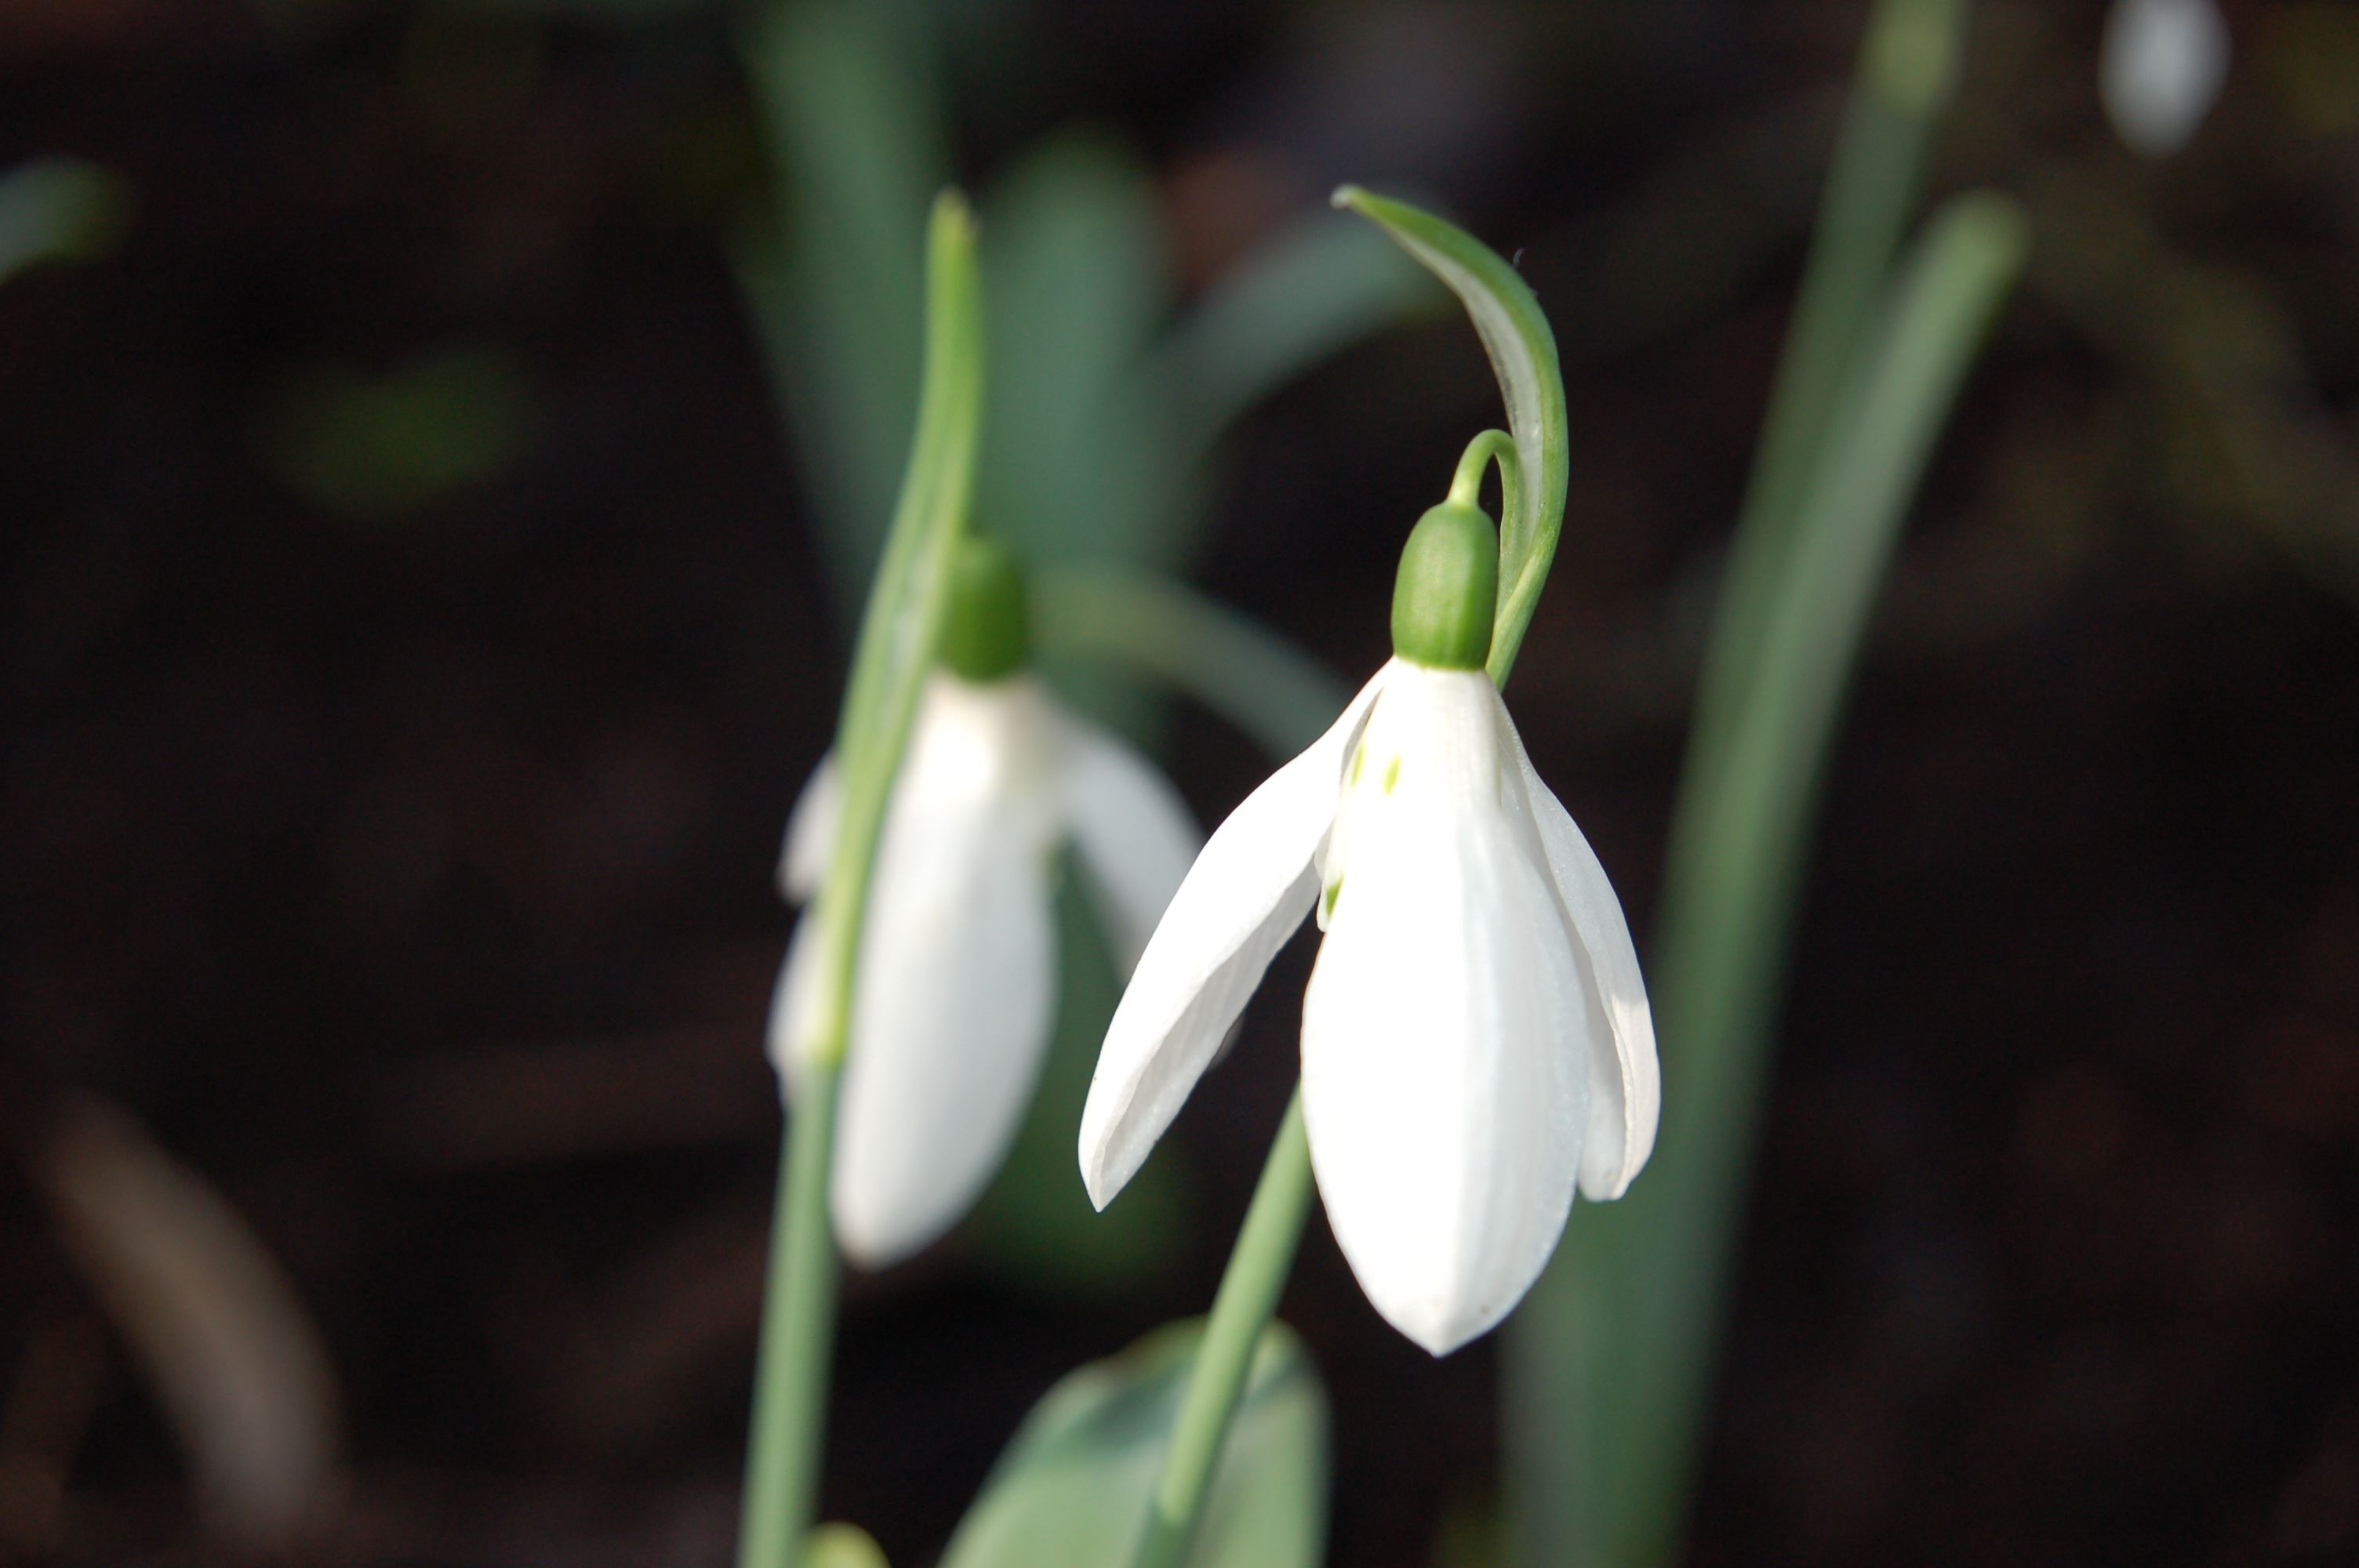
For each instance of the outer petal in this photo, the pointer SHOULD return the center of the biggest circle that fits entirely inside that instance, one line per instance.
(790, 1005)
(1135, 836)
(951, 1019)
(1444, 1107)
(1625, 1080)
(1239, 902)
(810, 833)
(954, 992)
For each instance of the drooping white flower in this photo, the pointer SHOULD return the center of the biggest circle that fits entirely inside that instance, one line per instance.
(1476, 1043)
(956, 982)
(2162, 64)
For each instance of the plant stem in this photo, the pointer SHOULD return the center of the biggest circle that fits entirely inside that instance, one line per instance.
(897, 639)
(798, 1329)
(1249, 1295)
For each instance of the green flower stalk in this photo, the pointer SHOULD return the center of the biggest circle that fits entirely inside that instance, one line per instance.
(897, 640)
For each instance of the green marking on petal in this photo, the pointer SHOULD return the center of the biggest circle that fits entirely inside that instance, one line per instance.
(1327, 904)
(1359, 760)
(1392, 774)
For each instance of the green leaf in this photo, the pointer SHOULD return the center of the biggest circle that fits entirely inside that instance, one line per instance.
(1319, 285)
(1909, 66)
(912, 587)
(855, 133)
(1075, 1484)
(1523, 355)
(1277, 695)
(1077, 462)
(1610, 1370)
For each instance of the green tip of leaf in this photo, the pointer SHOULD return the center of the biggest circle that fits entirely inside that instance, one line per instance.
(953, 216)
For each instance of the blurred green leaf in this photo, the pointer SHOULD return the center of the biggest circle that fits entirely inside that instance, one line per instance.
(1079, 463)
(1100, 409)
(375, 446)
(1074, 1484)
(847, 98)
(1230, 663)
(59, 209)
(1316, 288)
(1611, 1377)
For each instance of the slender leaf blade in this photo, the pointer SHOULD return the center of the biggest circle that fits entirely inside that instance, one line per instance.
(1610, 1371)
(912, 587)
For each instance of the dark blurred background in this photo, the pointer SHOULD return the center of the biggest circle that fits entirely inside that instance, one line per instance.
(414, 636)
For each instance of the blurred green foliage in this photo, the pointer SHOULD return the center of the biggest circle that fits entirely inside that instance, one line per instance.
(1612, 1360)
(1075, 1481)
(371, 447)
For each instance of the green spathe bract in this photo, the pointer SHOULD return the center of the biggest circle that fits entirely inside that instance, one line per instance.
(987, 634)
(1448, 584)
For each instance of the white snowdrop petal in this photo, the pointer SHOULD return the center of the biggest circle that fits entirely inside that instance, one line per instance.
(951, 1019)
(1235, 908)
(788, 1033)
(1444, 1108)
(1134, 834)
(2163, 63)
(953, 991)
(1625, 1080)
(810, 833)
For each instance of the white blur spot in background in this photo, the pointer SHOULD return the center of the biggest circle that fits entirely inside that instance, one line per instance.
(2162, 66)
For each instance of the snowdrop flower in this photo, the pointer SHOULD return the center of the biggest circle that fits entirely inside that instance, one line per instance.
(2162, 64)
(1476, 1038)
(955, 986)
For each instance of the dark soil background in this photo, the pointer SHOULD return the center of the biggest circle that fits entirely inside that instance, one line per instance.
(404, 869)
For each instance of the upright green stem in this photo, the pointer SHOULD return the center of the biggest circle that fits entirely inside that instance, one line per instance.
(897, 640)
(1249, 1295)
(797, 1328)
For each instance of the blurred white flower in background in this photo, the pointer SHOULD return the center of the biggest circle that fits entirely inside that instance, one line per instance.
(955, 990)
(2162, 66)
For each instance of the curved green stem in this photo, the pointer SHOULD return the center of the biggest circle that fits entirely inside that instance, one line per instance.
(1490, 447)
(1249, 1295)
